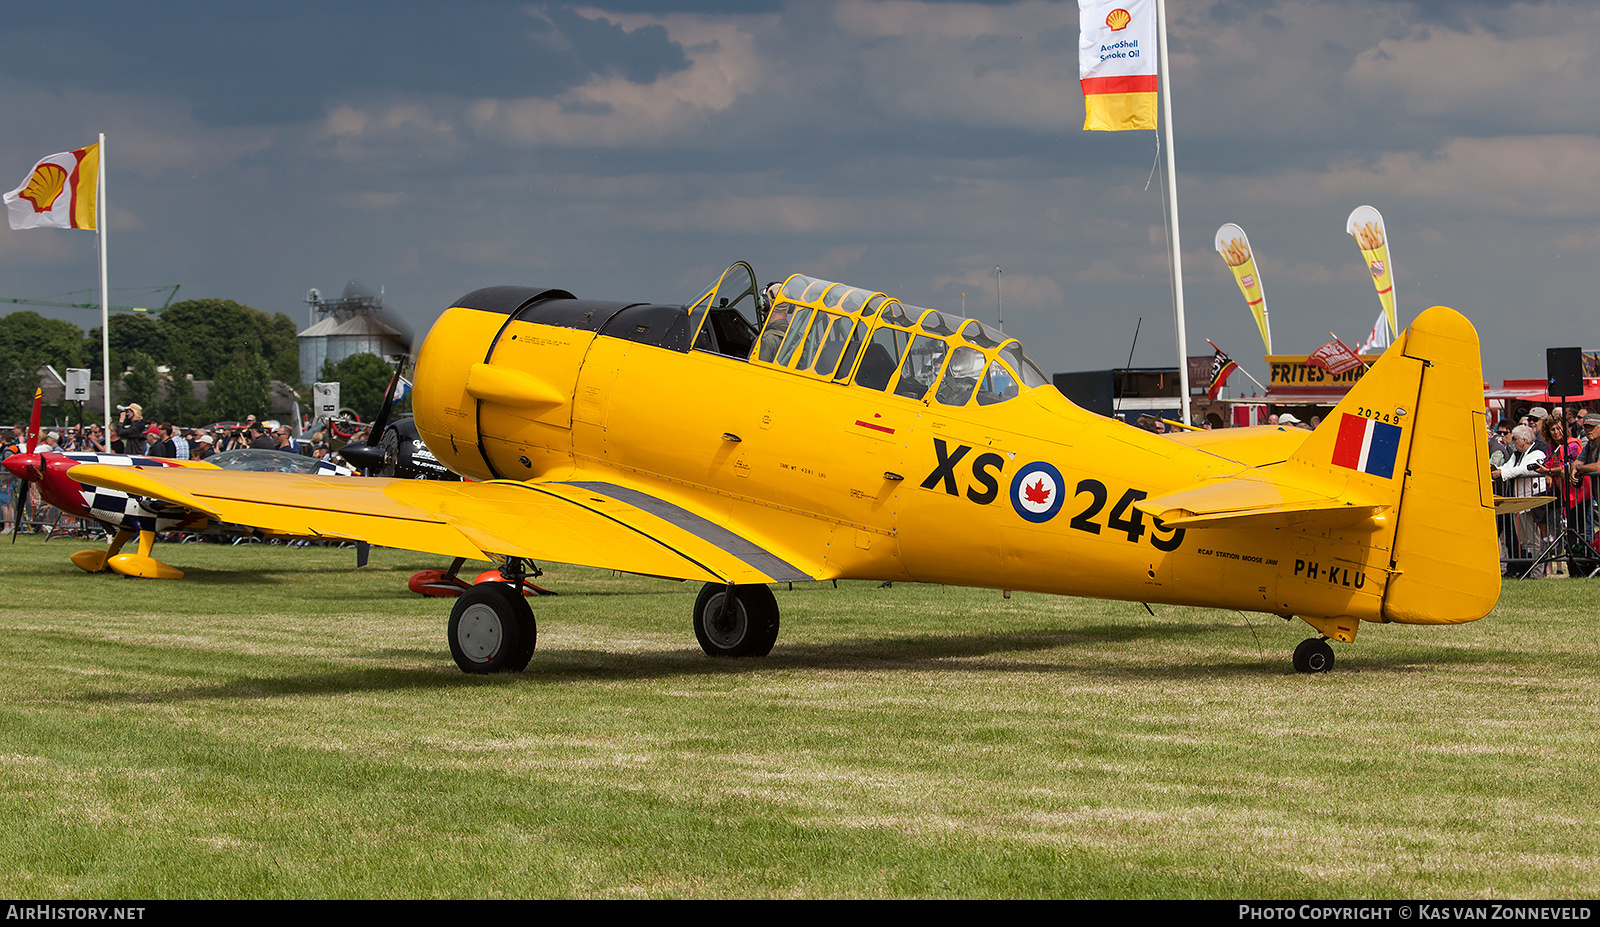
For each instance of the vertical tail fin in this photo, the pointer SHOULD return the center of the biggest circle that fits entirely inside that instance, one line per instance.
(1411, 437)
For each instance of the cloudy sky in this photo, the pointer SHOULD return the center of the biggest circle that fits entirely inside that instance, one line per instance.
(633, 149)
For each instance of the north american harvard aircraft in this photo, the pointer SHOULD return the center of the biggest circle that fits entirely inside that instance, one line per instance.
(820, 431)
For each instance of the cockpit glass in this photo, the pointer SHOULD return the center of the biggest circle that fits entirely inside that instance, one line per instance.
(895, 312)
(850, 352)
(813, 290)
(935, 322)
(846, 333)
(795, 287)
(921, 367)
(1023, 364)
(998, 385)
(961, 378)
(791, 339)
(981, 335)
(833, 342)
(819, 328)
(881, 358)
(777, 326)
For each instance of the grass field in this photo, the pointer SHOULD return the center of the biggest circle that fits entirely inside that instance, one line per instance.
(279, 724)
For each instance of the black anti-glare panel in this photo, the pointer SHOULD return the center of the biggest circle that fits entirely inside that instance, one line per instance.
(507, 299)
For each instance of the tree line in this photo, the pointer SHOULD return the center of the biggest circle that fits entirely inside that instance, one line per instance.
(240, 349)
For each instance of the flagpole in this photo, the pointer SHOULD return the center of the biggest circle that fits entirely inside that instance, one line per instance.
(1172, 197)
(105, 288)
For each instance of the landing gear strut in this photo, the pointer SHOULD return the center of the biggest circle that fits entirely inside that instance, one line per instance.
(1314, 655)
(745, 625)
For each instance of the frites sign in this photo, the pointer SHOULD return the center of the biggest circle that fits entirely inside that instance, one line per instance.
(1297, 371)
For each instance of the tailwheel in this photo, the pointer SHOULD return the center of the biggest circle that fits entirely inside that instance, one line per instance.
(492, 629)
(745, 627)
(1314, 655)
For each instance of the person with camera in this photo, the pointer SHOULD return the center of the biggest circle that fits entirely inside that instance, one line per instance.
(1522, 471)
(130, 427)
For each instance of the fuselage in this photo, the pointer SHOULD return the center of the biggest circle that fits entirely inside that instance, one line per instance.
(943, 458)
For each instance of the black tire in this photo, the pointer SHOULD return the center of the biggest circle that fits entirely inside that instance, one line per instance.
(1314, 655)
(748, 629)
(492, 629)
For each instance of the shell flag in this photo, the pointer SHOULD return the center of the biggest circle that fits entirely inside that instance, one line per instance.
(1117, 64)
(1234, 246)
(1365, 225)
(58, 193)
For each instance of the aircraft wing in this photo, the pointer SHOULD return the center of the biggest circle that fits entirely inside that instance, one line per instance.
(594, 524)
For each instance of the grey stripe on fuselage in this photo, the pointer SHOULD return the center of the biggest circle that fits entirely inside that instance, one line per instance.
(755, 555)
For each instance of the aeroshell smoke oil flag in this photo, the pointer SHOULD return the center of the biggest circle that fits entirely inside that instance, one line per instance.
(59, 193)
(1365, 225)
(1117, 64)
(1234, 246)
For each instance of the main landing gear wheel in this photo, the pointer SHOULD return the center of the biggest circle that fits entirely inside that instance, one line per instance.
(748, 628)
(1314, 655)
(492, 629)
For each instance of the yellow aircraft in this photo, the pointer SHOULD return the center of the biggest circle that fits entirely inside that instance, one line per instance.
(819, 431)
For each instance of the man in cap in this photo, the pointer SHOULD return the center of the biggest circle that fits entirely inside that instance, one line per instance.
(156, 444)
(259, 438)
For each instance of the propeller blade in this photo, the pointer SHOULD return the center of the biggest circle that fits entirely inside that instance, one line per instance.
(368, 455)
(401, 327)
(384, 411)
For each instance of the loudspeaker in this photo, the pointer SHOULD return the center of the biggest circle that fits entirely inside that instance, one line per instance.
(1564, 366)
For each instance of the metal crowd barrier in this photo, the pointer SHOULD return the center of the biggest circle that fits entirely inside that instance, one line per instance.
(1554, 538)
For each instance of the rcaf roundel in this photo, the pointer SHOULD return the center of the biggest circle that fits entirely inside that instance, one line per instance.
(1036, 492)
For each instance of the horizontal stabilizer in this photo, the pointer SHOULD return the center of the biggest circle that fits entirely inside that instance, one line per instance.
(1511, 505)
(1253, 500)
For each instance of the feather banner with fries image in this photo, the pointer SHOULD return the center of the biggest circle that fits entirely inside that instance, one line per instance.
(1234, 246)
(1365, 225)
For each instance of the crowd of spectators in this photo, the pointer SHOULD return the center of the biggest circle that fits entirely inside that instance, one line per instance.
(136, 436)
(1552, 453)
(131, 434)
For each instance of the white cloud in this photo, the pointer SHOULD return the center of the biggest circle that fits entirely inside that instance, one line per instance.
(1537, 177)
(611, 111)
(976, 65)
(1544, 79)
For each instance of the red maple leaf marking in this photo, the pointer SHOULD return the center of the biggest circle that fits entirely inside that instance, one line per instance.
(1036, 493)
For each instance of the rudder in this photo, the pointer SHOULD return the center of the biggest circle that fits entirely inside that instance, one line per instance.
(1410, 439)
